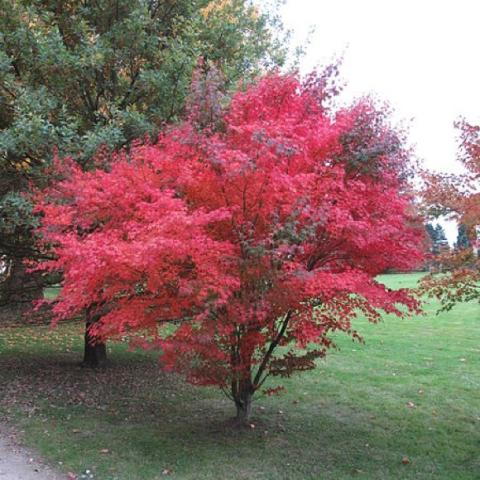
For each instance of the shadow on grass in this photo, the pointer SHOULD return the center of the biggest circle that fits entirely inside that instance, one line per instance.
(132, 421)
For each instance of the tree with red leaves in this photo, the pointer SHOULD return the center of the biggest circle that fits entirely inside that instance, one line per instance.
(457, 196)
(256, 241)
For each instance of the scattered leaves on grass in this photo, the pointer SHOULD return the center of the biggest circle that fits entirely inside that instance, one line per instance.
(36, 384)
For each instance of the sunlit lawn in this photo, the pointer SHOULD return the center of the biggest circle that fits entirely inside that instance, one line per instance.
(411, 393)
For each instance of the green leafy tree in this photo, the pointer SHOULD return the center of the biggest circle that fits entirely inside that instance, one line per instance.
(84, 75)
(462, 241)
(438, 238)
(438, 246)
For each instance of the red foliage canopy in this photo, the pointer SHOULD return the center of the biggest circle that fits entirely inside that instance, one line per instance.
(268, 233)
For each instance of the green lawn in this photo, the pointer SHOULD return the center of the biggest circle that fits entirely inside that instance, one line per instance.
(412, 391)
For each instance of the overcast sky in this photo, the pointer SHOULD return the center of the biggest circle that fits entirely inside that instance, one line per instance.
(421, 56)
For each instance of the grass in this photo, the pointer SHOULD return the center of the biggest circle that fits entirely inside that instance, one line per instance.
(412, 391)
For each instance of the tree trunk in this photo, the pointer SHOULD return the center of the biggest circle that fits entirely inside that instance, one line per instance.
(244, 409)
(242, 395)
(20, 287)
(95, 353)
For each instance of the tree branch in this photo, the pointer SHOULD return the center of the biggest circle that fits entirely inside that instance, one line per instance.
(271, 348)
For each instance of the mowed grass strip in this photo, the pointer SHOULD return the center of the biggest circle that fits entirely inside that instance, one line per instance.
(404, 405)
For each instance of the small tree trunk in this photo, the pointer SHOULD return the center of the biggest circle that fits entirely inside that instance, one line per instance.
(242, 392)
(244, 409)
(95, 353)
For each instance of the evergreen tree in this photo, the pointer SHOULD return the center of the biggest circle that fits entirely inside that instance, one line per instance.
(438, 238)
(462, 241)
(432, 235)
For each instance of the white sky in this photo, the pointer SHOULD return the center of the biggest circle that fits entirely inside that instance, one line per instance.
(421, 56)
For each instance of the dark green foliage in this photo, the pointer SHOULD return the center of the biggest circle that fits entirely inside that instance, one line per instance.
(462, 238)
(438, 238)
(79, 74)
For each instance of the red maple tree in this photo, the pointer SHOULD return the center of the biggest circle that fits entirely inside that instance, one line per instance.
(457, 196)
(256, 241)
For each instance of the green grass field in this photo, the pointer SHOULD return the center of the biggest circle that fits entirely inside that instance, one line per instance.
(411, 392)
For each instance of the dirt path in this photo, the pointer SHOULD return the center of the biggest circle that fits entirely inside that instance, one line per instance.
(18, 463)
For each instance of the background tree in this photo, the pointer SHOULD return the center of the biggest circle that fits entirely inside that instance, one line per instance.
(458, 197)
(438, 245)
(437, 237)
(80, 75)
(257, 241)
(462, 241)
